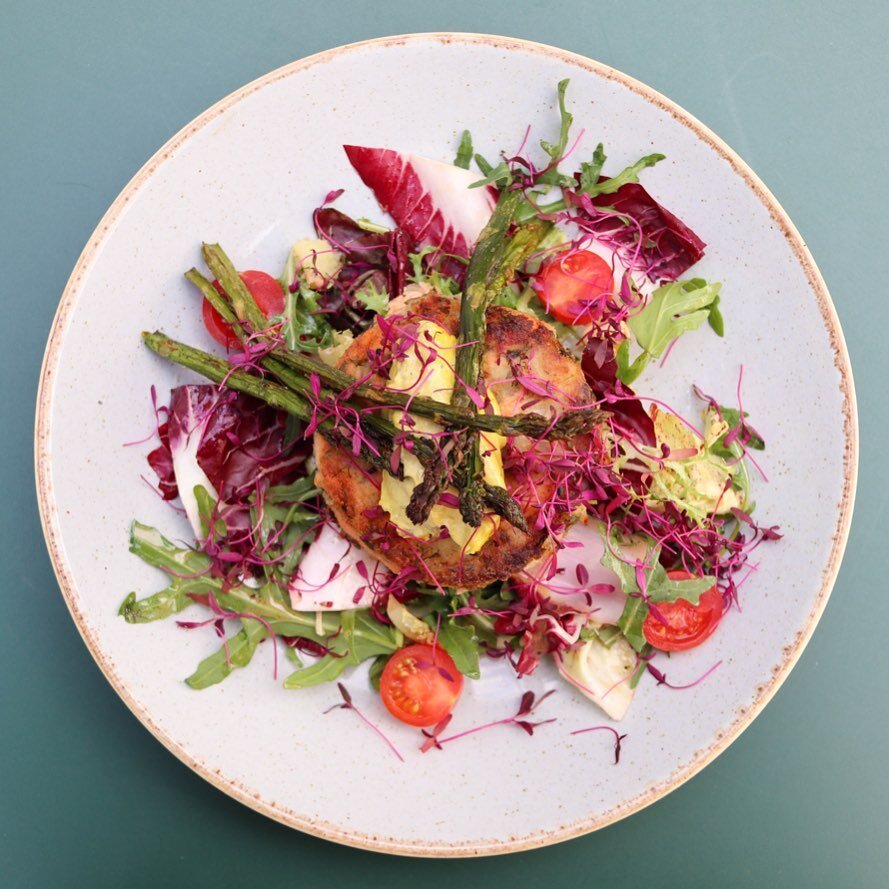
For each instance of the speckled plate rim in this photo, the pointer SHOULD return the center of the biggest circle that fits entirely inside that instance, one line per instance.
(378, 842)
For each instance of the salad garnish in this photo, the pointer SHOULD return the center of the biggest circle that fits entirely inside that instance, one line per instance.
(662, 677)
(349, 704)
(618, 738)
(426, 445)
(528, 704)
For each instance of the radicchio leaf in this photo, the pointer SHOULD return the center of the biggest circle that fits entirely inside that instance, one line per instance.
(377, 258)
(346, 235)
(430, 201)
(244, 441)
(646, 236)
(161, 461)
(600, 369)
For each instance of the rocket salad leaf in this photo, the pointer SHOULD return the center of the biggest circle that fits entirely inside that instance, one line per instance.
(354, 635)
(464, 151)
(590, 173)
(655, 587)
(631, 620)
(236, 652)
(328, 669)
(671, 310)
(188, 571)
(459, 642)
(557, 151)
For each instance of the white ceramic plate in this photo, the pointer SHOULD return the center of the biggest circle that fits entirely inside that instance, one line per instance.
(247, 173)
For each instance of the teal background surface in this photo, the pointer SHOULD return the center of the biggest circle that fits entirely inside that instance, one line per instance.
(88, 91)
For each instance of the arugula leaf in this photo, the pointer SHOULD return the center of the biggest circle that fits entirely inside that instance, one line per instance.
(557, 152)
(354, 634)
(590, 172)
(642, 666)
(292, 655)
(631, 620)
(152, 547)
(658, 586)
(302, 489)
(715, 319)
(364, 637)
(671, 310)
(217, 666)
(326, 669)
(499, 176)
(283, 526)
(464, 151)
(614, 560)
(187, 570)
(667, 590)
(167, 602)
(484, 165)
(206, 508)
(732, 416)
(283, 529)
(593, 187)
(190, 574)
(458, 640)
(626, 371)
(376, 671)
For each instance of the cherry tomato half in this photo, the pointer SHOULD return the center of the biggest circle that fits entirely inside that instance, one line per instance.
(571, 284)
(686, 625)
(418, 689)
(264, 289)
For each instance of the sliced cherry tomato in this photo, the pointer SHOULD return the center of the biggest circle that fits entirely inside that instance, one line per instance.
(686, 625)
(263, 288)
(570, 286)
(420, 689)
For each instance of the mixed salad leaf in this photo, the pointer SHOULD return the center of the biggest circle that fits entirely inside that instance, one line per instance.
(673, 309)
(633, 525)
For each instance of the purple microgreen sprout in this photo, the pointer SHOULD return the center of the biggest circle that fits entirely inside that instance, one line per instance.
(527, 706)
(662, 677)
(348, 704)
(618, 738)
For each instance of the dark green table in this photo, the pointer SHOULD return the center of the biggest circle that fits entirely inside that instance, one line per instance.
(88, 91)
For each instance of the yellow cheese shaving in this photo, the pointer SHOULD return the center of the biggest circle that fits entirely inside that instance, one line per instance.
(428, 369)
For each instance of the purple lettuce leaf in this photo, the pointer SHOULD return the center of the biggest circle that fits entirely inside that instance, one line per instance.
(646, 236)
(600, 369)
(244, 442)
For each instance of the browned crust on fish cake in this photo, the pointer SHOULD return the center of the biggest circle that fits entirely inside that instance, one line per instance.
(352, 490)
